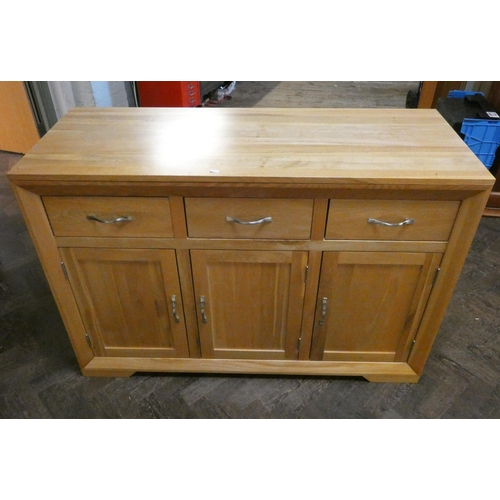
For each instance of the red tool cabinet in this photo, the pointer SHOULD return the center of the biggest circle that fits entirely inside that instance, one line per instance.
(169, 94)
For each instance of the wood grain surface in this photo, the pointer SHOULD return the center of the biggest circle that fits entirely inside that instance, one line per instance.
(290, 219)
(253, 302)
(432, 220)
(283, 145)
(125, 299)
(149, 217)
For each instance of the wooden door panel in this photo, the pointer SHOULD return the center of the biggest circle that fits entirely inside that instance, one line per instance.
(374, 302)
(253, 302)
(18, 131)
(125, 298)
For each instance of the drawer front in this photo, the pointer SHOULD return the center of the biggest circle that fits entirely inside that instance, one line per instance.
(249, 218)
(409, 220)
(118, 217)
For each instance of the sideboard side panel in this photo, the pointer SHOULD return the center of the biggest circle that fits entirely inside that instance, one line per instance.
(461, 238)
(41, 234)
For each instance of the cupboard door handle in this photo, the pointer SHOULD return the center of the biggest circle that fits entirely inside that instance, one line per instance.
(125, 218)
(202, 306)
(388, 224)
(174, 308)
(251, 223)
(323, 311)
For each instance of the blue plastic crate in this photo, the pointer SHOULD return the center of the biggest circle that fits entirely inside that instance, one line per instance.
(483, 138)
(460, 94)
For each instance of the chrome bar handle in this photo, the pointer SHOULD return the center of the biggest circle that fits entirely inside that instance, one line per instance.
(202, 306)
(249, 223)
(406, 222)
(323, 311)
(125, 218)
(174, 308)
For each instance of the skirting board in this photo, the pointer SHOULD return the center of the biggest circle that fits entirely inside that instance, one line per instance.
(374, 372)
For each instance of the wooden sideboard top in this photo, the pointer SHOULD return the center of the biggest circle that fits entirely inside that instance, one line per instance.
(257, 145)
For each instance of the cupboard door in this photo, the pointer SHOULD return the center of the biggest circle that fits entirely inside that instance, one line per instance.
(129, 299)
(370, 304)
(249, 303)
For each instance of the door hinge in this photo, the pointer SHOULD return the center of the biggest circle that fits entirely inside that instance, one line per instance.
(89, 342)
(299, 343)
(65, 271)
(412, 346)
(306, 274)
(438, 270)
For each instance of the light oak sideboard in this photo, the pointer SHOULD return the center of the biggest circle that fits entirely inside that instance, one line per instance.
(269, 241)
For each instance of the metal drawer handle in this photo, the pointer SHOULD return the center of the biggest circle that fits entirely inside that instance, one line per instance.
(202, 307)
(174, 308)
(125, 218)
(251, 223)
(388, 224)
(323, 311)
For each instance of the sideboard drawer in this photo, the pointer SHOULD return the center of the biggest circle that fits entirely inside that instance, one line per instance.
(119, 217)
(249, 218)
(409, 220)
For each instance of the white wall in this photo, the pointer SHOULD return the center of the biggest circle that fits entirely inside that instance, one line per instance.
(108, 94)
(67, 95)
